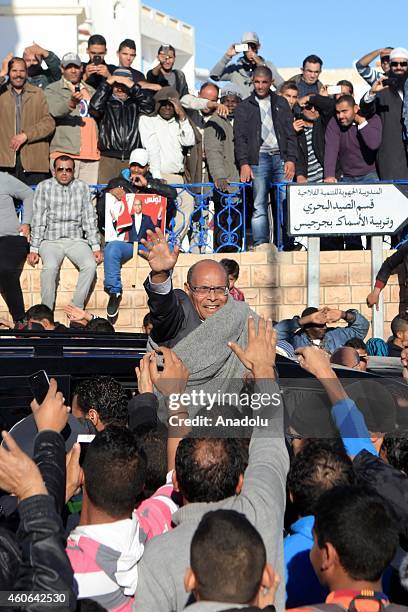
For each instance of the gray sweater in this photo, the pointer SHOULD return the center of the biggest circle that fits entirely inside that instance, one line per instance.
(10, 188)
(262, 500)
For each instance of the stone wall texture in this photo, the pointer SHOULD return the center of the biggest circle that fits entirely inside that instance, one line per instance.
(276, 290)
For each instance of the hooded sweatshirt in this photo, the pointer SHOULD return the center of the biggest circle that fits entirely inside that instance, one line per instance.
(104, 558)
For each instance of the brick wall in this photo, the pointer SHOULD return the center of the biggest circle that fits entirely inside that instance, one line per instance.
(277, 289)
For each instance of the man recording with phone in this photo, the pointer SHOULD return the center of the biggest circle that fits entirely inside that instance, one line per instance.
(164, 74)
(76, 131)
(241, 73)
(96, 71)
(386, 99)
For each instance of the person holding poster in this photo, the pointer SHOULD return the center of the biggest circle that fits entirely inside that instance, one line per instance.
(133, 203)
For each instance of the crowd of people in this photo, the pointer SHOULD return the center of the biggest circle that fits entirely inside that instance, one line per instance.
(219, 485)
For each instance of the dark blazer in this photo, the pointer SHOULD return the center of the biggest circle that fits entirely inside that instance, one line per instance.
(392, 160)
(318, 147)
(147, 224)
(173, 316)
(248, 130)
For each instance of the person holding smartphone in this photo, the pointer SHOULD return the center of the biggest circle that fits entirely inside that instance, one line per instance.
(96, 71)
(164, 74)
(76, 132)
(241, 72)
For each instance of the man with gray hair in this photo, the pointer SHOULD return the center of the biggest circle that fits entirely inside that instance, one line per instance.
(241, 73)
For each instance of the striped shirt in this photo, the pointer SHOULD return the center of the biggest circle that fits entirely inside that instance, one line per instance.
(314, 168)
(104, 557)
(63, 211)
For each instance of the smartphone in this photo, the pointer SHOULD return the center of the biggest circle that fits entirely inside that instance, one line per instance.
(333, 90)
(241, 47)
(84, 440)
(39, 384)
(97, 59)
(298, 114)
(77, 88)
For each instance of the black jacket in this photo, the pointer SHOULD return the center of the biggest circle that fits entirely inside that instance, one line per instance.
(248, 129)
(118, 121)
(173, 316)
(397, 263)
(180, 85)
(326, 108)
(392, 159)
(42, 563)
(388, 482)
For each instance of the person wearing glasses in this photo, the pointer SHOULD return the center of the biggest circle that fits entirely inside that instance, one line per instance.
(176, 313)
(369, 73)
(241, 72)
(386, 99)
(62, 215)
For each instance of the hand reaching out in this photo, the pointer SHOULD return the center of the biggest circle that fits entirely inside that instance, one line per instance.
(159, 256)
(260, 353)
(174, 376)
(19, 474)
(52, 413)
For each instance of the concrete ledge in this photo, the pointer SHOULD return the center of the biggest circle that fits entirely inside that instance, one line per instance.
(276, 290)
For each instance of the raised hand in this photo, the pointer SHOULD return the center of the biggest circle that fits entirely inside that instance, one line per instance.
(19, 474)
(52, 413)
(144, 381)
(159, 255)
(260, 354)
(174, 376)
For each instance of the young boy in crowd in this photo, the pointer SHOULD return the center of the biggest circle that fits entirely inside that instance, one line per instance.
(232, 268)
(355, 540)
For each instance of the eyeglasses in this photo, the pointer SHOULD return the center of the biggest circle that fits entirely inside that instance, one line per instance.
(61, 169)
(402, 64)
(203, 290)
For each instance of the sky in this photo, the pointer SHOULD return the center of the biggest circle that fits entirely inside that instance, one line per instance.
(339, 32)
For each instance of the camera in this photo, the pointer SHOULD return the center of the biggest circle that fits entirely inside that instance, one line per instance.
(77, 88)
(97, 60)
(241, 48)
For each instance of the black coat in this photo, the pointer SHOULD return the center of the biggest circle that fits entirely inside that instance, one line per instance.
(392, 161)
(180, 85)
(118, 121)
(173, 316)
(318, 134)
(248, 130)
(397, 263)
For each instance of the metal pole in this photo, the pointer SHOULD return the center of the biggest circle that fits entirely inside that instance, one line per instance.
(376, 263)
(313, 271)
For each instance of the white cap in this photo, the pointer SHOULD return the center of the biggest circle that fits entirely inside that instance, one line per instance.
(399, 52)
(139, 156)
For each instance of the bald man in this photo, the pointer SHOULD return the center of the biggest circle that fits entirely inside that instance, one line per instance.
(176, 313)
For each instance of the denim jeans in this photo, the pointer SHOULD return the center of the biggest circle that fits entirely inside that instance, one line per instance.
(269, 170)
(116, 253)
(371, 177)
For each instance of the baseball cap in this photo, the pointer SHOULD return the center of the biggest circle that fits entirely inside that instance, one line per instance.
(71, 58)
(139, 156)
(123, 72)
(250, 37)
(400, 52)
(231, 90)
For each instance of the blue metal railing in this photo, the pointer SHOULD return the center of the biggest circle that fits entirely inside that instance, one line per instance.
(218, 220)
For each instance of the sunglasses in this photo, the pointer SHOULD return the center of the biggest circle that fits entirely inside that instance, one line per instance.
(402, 64)
(61, 169)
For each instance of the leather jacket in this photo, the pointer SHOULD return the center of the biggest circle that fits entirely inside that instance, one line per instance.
(118, 120)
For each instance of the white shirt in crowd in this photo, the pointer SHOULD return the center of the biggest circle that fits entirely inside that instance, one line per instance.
(163, 141)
